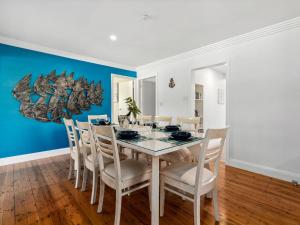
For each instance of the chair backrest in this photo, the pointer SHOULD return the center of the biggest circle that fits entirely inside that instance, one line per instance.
(72, 135)
(218, 135)
(165, 119)
(91, 118)
(142, 119)
(105, 142)
(84, 133)
(203, 156)
(189, 123)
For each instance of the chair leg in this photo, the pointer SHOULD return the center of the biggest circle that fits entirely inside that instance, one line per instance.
(149, 195)
(209, 194)
(162, 197)
(78, 168)
(197, 210)
(118, 207)
(84, 178)
(70, 169)
(94, 188)
(101, 196)
(215, 204)
(132, 153)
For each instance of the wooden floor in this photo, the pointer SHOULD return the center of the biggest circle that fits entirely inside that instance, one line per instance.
(38, 192)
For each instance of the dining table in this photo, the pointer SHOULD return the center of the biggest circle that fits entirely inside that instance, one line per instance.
(155, 143)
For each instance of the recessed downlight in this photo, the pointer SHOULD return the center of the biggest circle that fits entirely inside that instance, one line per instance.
(113, 37)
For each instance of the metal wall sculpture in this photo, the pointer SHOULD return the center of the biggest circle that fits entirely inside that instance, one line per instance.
(54, 97)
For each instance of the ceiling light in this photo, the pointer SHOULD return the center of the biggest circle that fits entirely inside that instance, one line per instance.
(113, 37)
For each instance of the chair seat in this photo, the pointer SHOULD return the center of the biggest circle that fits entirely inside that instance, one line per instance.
(130, 168)
(186, 172)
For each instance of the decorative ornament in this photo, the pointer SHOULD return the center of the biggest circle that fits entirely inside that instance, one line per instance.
(58, 96)
(172, 83)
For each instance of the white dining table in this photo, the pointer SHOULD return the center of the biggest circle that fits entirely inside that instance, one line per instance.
(156, 143)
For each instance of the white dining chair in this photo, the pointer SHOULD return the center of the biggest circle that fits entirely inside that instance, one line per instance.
(192, 180)
(189, 123)
(91, 162)
(124, 176)
(165, 120)
(90, 158)
(216, 143)
(144, 119)
(75, 154)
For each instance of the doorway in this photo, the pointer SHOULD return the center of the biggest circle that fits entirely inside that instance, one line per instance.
(147, 97)
(122, 88)
(210, 96)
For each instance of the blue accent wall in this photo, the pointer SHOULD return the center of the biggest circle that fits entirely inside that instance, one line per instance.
(20, 135)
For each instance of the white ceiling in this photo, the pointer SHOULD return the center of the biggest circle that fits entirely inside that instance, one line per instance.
(174, 26)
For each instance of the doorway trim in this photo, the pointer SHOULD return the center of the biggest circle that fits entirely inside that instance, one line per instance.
(112, 90)
(225, 62)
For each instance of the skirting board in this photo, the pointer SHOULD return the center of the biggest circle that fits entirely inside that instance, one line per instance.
(33, 156)
(268, 171)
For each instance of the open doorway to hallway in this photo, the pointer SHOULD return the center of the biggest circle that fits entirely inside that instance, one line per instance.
(210, 96)
(147, 97)
(122, 88)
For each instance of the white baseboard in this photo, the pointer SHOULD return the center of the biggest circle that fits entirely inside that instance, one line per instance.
(268, 171)
(33, 156)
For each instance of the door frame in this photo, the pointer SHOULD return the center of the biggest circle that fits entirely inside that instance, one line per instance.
(226, 62)
(113, 75)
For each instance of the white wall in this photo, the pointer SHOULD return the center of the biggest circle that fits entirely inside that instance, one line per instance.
(263, 92)
(214, 114)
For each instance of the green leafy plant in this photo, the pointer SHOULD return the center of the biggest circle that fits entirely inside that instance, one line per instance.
(132, 107)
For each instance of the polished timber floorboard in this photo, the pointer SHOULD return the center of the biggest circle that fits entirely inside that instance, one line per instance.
(38, 192)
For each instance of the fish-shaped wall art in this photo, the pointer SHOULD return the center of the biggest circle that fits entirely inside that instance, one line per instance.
(54, 97)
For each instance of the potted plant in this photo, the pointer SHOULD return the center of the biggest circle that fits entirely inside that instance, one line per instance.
(133, 110)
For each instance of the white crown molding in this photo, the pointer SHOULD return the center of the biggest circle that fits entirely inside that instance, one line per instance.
(267, 171)
(52, 51)
(33, 156)
(260, 33)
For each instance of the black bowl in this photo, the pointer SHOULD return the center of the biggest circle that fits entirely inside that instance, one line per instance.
(181, 135)
(127, 134)
(171, 128)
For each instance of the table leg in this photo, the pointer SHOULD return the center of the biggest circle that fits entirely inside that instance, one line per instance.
(155, 191)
